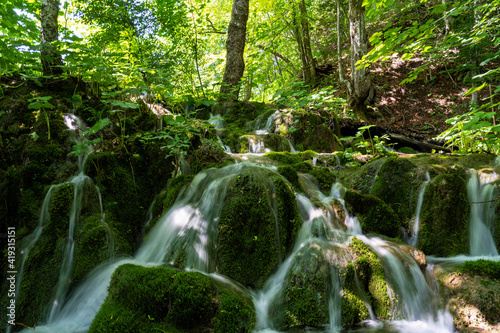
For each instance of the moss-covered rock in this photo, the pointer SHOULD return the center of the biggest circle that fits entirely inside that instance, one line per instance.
(128, 184)
(445, 217)
(372, 278)
(309, 130)
(42, 266)
(307, 289)
(473, 297)
(394, 185)
(256, 227)
(160, 298)
(374, 215)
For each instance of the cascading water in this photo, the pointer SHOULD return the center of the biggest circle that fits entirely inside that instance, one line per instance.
(412, 240)
(189, 229)
(79, 182)
(482, 195)
(218, 122)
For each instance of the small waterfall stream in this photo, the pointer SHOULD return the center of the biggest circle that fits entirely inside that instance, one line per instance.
(413, 239)
(482, 196)
(79, 182)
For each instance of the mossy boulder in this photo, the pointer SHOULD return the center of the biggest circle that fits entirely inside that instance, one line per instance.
(394, 185)
(144, 299)
(305, 299)
(444, 219)
(128, 184)
(257, 226)
(374, 215)
(42, 266)
(309, 130)
(371, 277)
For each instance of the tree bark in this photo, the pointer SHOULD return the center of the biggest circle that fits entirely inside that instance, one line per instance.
(361, 80)
(306, 39)
(235, 46)
(49, 33)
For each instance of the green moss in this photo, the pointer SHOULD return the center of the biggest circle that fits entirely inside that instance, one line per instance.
(307, 290)
(284, 157)
(407, 150)
(91, 247)
(374, 215)
(372, 278)
(324, 177)
(191, 300)
(144, 299)
(290, 173)
(394, 185)
(235, 313)
(444, 218)
(353, 309)
(487, 268)
(362, 179)
(42, 266)
(248, 245)
(312, 132)
(128, 184)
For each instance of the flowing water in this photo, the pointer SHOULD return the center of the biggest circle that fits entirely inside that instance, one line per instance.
(482, 197)
(413, 239)
(189, 228)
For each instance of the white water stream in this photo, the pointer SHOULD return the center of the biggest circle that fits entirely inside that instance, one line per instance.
(482, 195)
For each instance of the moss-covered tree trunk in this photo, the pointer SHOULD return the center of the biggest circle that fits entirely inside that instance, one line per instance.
(50, 59)
(235, 45)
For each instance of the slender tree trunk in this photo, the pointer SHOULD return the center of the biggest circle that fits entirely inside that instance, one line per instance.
(361, 80)
(342, 78)
(235, 46)
(300, 43)
(248, 88)
(50, 32)
(306, 39)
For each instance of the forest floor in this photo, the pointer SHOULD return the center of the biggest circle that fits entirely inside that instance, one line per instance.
(423, 105)
(420, 108)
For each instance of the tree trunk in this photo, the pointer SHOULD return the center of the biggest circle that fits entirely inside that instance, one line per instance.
(248, 88)
(235, 46)
(361, 80)
(50, 30)
(300, 43)
(306, 39)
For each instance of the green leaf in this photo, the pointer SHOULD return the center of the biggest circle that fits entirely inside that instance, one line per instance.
(472, 90)
(125, 105)
(98, 126)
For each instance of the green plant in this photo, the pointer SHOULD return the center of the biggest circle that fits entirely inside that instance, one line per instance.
(472, 132)
(80, 148)
(42, 104)
(178, 135)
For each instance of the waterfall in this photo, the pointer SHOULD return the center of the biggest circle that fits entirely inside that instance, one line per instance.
(190, 229)
(412, 240)
(78, 181)
(482, 195)
(218, 122)
(190, 225)
(267, 127)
